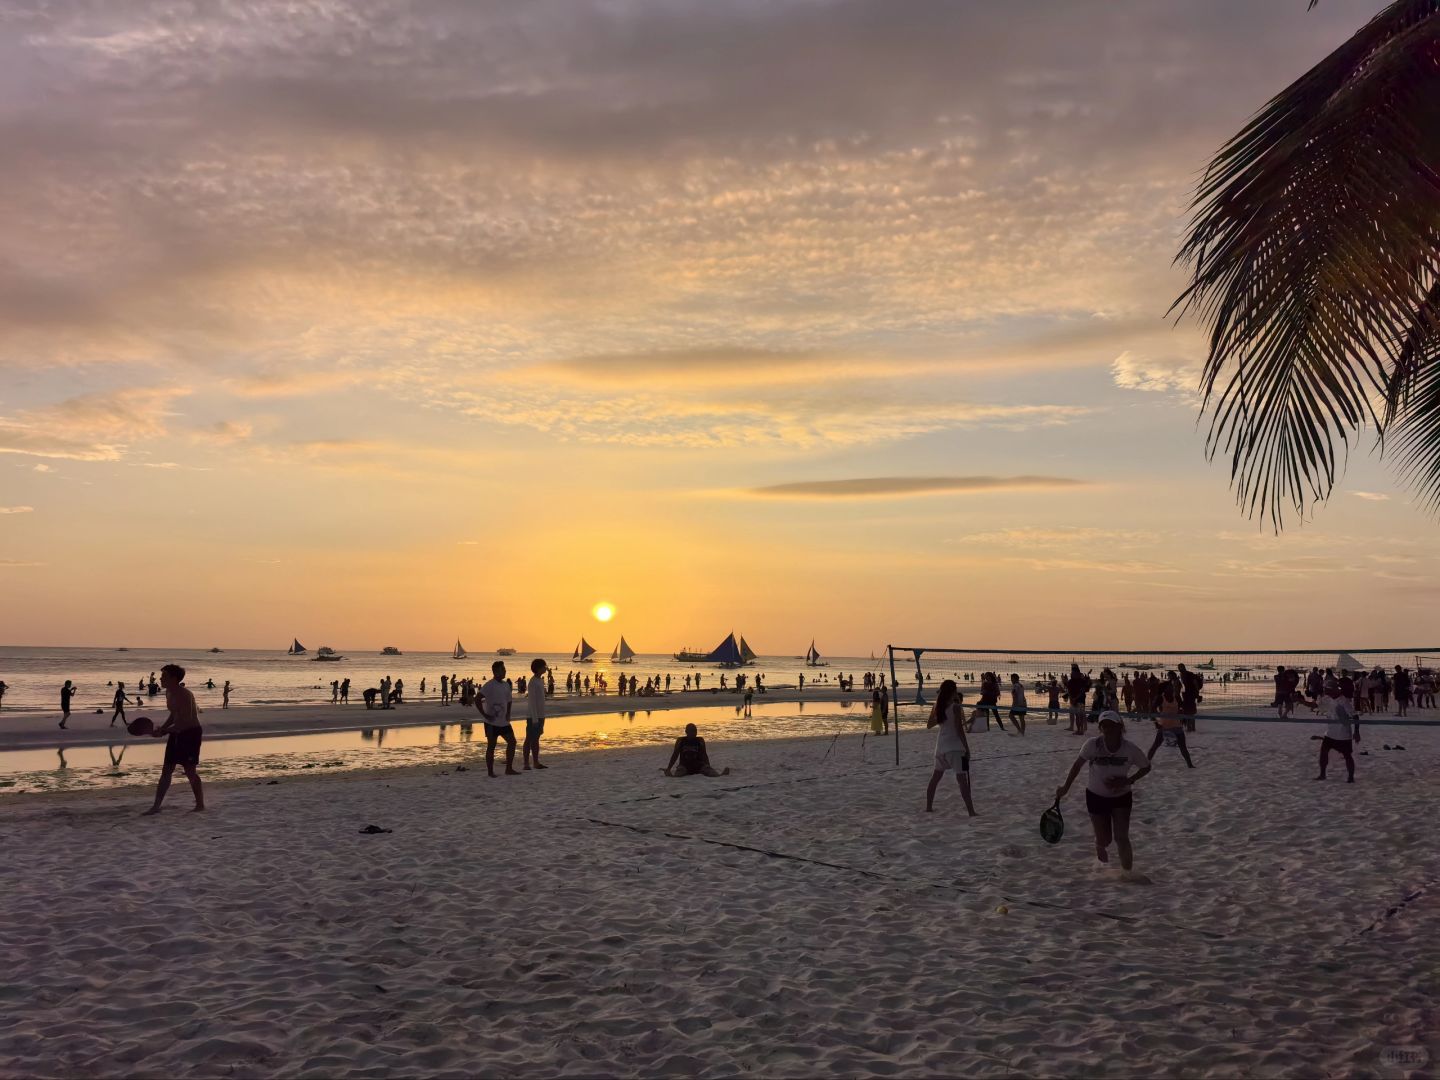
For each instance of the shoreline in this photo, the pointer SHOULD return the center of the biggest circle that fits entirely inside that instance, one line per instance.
(31, 731)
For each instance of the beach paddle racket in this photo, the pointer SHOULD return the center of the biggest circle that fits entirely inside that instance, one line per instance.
(1052, 824)
(141, 725)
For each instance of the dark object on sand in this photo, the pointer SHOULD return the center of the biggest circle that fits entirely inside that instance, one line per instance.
(371, 830)
(141, 725)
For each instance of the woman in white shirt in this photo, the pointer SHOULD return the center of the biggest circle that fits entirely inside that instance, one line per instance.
(952, 748)
(1107, 788)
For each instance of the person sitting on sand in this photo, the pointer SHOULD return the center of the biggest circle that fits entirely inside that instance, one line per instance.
(1107, 787)
(185, 733)
(690, 758)
(952, 748)
(493, 702)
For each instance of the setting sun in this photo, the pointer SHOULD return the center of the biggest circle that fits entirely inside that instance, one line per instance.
(603, 611)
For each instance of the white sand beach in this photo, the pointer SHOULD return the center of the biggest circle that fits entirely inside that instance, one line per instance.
(802, 916)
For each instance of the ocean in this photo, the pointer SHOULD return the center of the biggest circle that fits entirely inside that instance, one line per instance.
(270, 677)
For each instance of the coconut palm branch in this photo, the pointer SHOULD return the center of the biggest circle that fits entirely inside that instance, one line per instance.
(1315, 259)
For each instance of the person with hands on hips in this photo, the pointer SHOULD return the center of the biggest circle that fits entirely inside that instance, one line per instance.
(1110, 757)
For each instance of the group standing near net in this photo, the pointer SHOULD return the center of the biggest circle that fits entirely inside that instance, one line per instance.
(1171, 703)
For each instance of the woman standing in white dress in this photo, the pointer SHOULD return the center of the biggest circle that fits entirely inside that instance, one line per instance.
(952, 748)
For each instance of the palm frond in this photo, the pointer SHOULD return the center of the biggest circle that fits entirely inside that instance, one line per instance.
(1313, 251)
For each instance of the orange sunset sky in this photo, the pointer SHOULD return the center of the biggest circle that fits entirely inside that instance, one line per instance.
(377, 323)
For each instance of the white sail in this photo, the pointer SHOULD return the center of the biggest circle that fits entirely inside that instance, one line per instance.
(624, 650)
(459, 653)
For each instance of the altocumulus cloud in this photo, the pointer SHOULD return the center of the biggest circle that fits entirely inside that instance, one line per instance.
(17, 509)
(895, 487)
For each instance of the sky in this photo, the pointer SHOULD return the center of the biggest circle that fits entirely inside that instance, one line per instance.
(386, 323)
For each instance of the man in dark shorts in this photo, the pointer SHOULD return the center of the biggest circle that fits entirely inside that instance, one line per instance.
(690, 758)
(1108, 786)
(66, 693)
(1342, 733)
(184, 733)
(494, 702)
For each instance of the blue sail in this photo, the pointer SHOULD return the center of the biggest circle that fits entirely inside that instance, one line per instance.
(726, 654)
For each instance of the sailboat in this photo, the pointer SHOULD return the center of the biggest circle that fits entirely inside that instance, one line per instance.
(296, 649)
(583, 652)
(727, 654)
(812, 658)
(1209, 665)
(459, 653)
(747, 654)
(623, 653)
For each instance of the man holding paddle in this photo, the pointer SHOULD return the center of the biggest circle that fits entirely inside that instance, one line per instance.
(183, 728)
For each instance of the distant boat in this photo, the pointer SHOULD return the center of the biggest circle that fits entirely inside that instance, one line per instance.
(122, 649)
(1346, 662)
(623, 653)
(326, 653)
(690, 656)
(459, 653)
(213, 648)
(812, 658)
(391, 650)
(296, 649)
(1209, 665)
(504, 652)
(583, 652)
(747, 654)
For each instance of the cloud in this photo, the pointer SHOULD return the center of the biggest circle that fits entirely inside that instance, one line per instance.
(283, 384)
(1371, 496)
(11, 563)
(90, 427)
(1099, 566)
(17, 509)
(886, 487)
(1059, 537)
(223, 432)
(1298, 566)
(1156, 375)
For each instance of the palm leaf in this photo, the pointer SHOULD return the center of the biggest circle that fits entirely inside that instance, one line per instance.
(1313, 250)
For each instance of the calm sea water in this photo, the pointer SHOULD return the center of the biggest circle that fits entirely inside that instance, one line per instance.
(34, 675)
(129, 761)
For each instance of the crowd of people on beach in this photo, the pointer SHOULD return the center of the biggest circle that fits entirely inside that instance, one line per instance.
(1170, 701)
